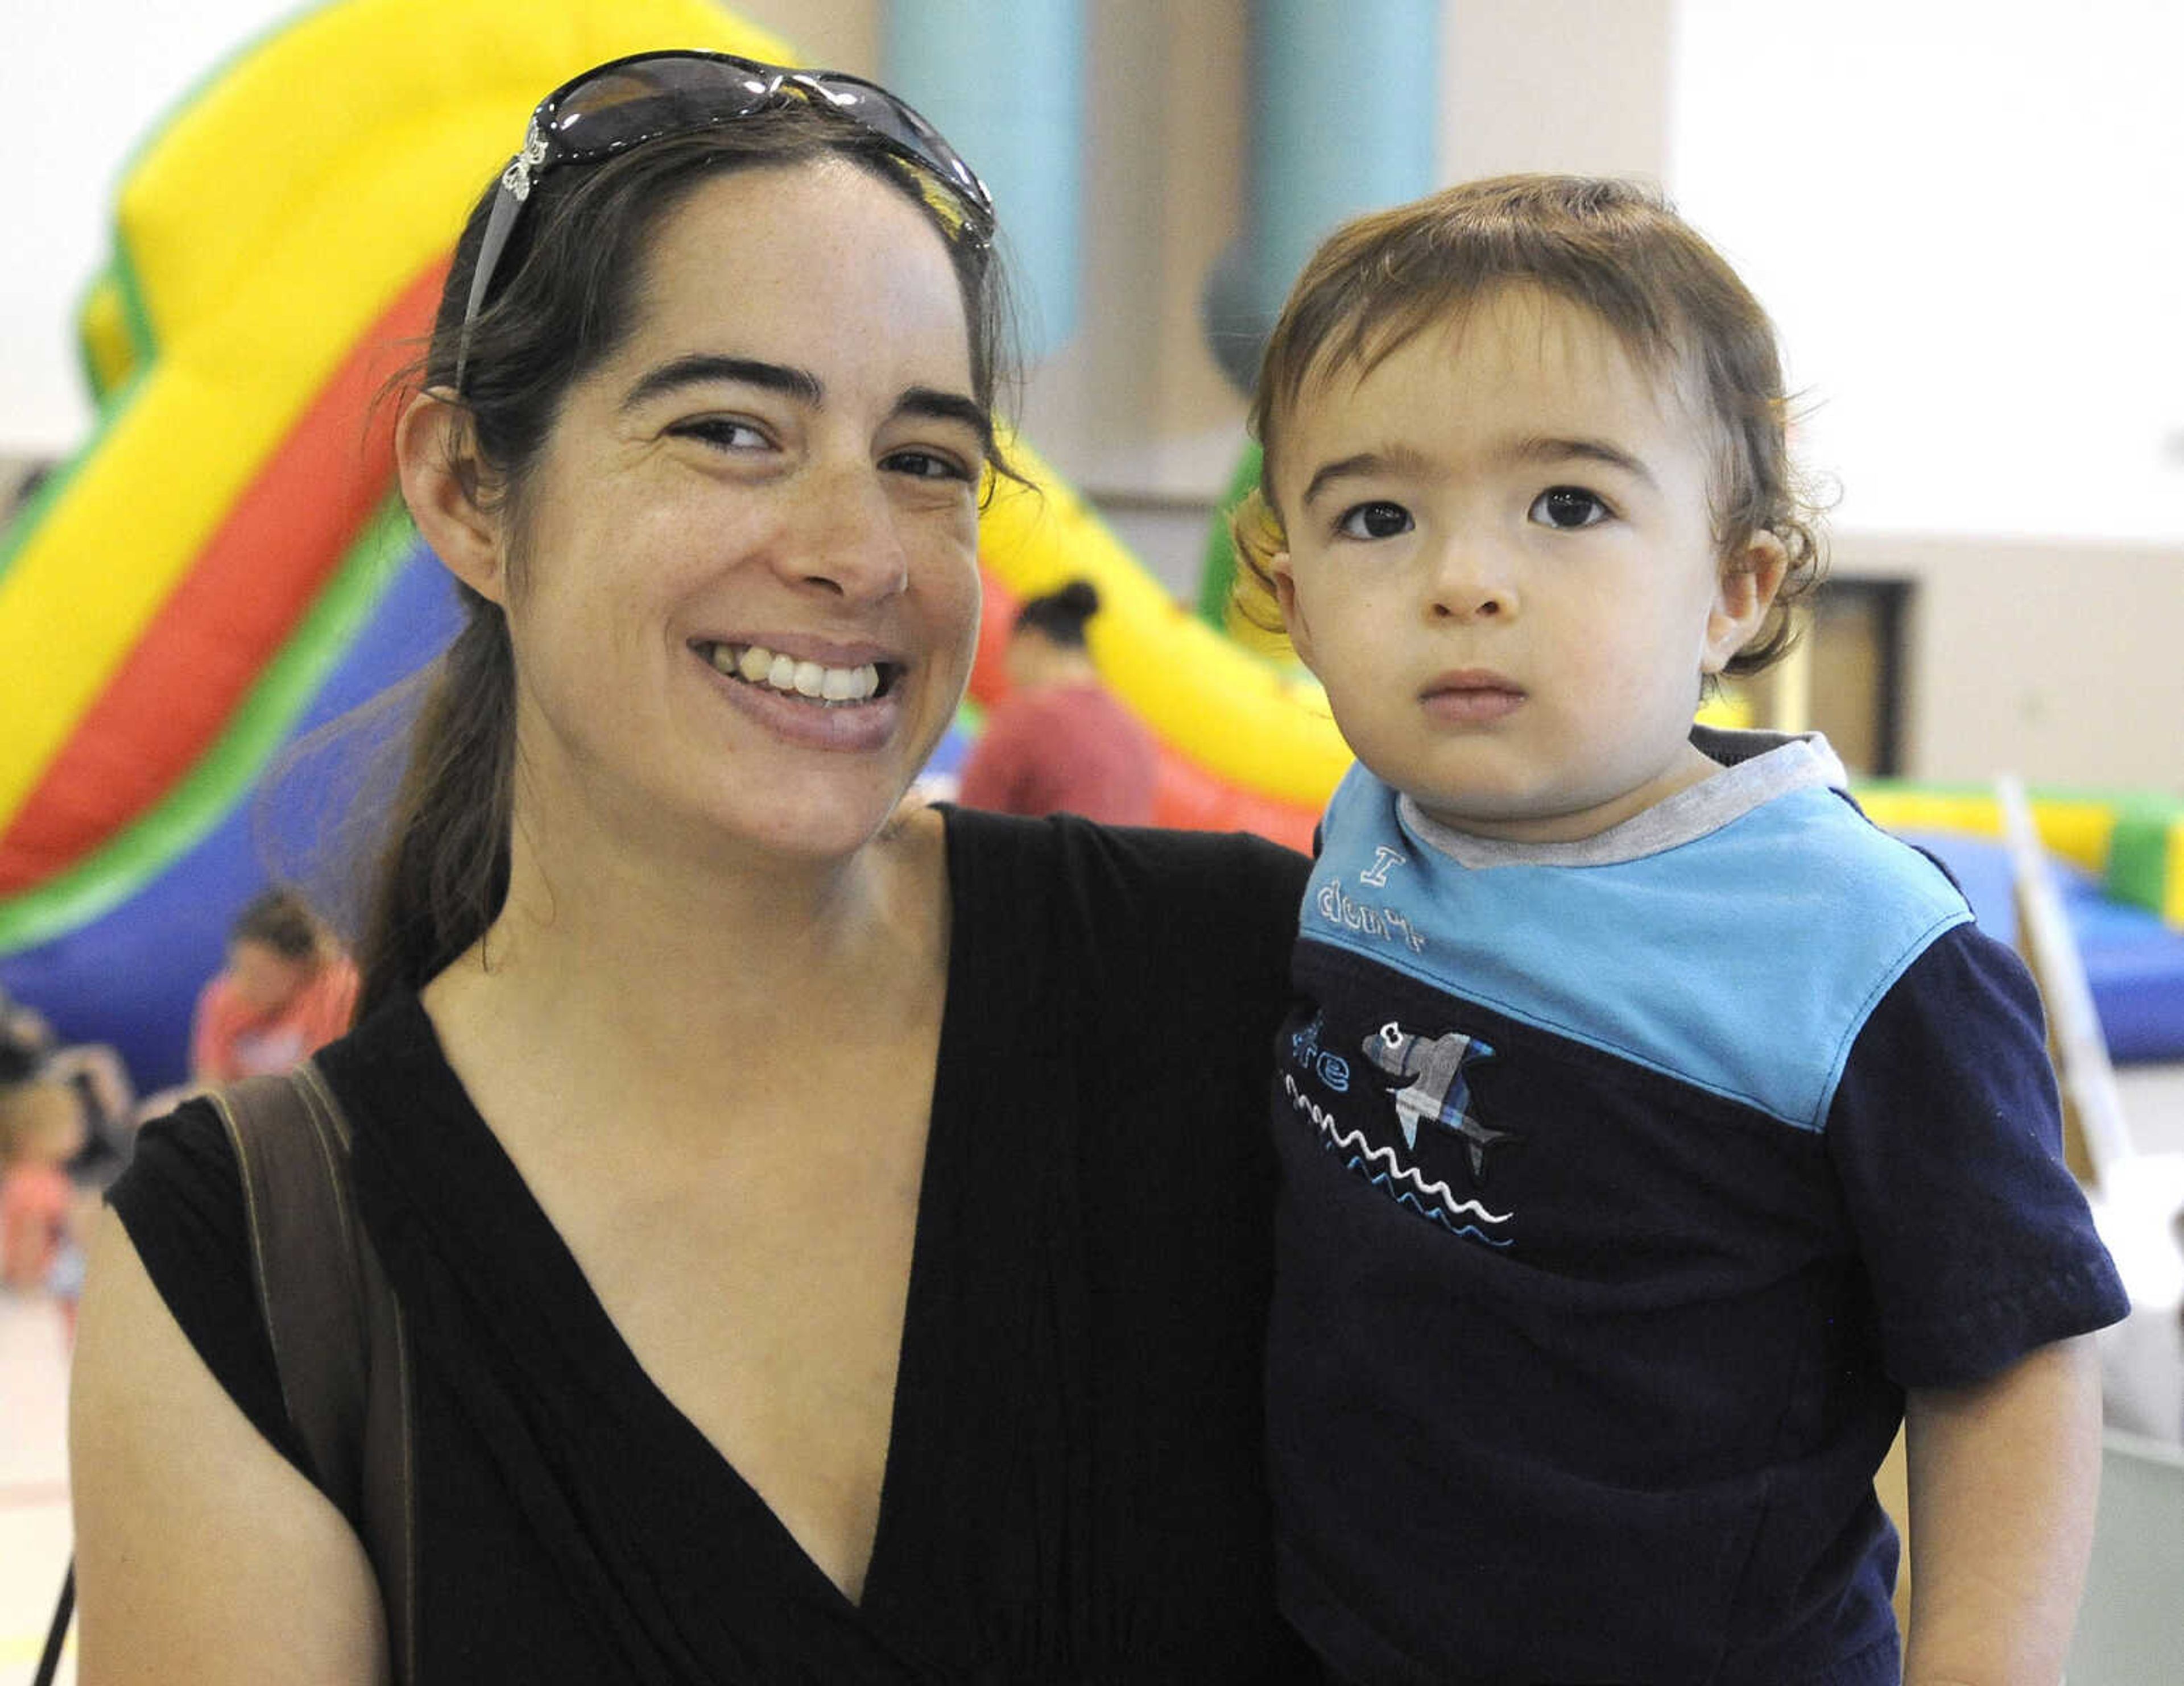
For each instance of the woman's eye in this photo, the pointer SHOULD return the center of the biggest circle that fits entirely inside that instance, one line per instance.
(1568, 506)
(722, 433)
(926, 465)
(1377, 519)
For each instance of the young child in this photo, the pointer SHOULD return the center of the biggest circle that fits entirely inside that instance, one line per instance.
(287, 990)
(1656, 1131)
(1059, 742)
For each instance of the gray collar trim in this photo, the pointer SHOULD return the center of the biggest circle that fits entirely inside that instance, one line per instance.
(1756, 768)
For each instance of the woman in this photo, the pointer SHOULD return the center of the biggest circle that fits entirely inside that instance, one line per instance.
(832, 1244)
(1058, 742)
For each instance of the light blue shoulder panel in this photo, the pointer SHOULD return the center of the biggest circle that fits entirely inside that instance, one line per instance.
(1744, 961)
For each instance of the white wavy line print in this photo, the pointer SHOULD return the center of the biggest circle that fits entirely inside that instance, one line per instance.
(1362, 1152)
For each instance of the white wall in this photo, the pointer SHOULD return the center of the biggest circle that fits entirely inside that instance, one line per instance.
(1580, 86)
(81, 82)
(2058, 660)
(1965, 217)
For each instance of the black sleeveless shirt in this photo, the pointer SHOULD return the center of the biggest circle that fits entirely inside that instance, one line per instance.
(1074, 1489)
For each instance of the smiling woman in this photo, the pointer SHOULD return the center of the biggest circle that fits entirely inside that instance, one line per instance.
(827, 1241)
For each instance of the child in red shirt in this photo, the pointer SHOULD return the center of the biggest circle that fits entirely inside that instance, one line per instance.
(286, 991)
(1059, 742)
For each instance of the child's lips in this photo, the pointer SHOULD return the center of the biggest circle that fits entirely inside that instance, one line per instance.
(1471, 697)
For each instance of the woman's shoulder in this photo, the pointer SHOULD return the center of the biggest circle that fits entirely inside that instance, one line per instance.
(1150, 912)
(180, 1199)
(185, 1162)
(1066, 852)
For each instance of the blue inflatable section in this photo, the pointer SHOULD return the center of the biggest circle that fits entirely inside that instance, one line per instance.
(2134, 962)
(130, 977)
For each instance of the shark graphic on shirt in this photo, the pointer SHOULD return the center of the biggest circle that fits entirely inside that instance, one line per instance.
(1438, 1092)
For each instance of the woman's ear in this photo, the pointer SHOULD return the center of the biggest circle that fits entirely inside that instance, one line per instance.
(1750, 577)
(432, 452)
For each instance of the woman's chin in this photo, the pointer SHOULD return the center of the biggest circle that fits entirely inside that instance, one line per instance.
(811, 819)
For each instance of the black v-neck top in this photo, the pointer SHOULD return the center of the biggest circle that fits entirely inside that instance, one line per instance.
(1074, 1488)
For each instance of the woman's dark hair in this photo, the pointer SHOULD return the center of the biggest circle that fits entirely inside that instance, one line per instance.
(573, 270)
(1060, 616)
(282, 920)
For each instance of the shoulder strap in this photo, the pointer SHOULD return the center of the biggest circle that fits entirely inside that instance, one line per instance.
(337, 1332)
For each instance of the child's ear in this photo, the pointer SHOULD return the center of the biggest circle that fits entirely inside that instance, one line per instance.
(433, 456)
(1750, 577)
(1284, 580)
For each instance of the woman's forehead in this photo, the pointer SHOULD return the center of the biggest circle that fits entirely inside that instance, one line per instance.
(820, 257)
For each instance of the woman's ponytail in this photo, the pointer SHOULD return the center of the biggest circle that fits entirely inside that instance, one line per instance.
(443, 873)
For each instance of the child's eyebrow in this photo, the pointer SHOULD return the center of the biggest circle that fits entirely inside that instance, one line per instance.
(1546, 450)
(1388, 459)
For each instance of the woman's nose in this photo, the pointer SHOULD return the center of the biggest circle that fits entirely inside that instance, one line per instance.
(844, 537)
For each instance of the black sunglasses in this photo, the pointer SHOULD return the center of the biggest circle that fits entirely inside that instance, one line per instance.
(649, 96)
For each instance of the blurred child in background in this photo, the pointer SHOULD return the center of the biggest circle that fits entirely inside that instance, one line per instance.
(1059, 742)
(92, 1072)
(42, 1217)
(288, 989)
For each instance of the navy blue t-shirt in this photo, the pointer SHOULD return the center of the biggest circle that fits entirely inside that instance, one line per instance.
(1627, 1185)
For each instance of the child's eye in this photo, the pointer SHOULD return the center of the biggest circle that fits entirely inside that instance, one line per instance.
(1568, 506)
(925, 465)
(1377, 519)
(722, 433)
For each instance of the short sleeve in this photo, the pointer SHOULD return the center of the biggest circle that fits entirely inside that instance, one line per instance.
(180, 1199)
(1946, 1134)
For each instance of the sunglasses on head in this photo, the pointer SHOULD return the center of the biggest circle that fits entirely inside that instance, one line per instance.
(649, 95)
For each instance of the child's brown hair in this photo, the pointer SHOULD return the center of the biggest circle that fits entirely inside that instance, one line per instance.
(1614, 247)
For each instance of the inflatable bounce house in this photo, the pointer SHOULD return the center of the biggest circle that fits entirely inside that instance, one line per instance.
(2116, 863)
(222, 569)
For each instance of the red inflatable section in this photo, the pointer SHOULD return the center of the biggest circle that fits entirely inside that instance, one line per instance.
(262, 570)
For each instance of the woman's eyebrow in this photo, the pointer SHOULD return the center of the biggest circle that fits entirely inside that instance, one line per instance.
(931, 401)
(700, 368)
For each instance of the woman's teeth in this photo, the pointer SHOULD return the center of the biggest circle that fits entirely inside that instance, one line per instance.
(762, 666)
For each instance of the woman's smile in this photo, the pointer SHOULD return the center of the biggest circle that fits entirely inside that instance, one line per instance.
(815, 677)
(845, 708)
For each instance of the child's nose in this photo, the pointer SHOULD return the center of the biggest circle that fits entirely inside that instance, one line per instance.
(1469, 584)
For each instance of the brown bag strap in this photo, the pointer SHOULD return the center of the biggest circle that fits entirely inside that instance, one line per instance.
(337, 1331)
